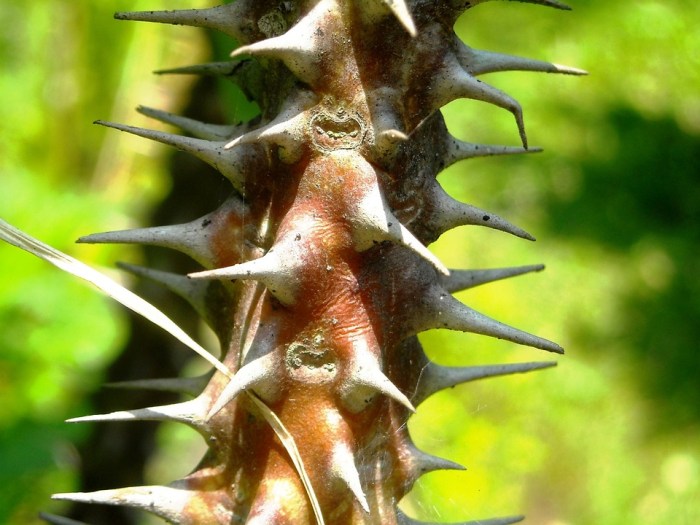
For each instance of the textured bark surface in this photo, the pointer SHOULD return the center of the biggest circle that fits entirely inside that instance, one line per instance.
(316, 277)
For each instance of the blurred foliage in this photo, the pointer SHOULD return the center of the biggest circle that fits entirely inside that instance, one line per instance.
(65, 64)
(612, 435)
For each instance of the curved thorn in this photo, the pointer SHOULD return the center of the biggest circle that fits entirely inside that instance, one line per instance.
(453, 82)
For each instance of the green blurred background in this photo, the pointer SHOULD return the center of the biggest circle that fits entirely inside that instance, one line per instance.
(611, 436)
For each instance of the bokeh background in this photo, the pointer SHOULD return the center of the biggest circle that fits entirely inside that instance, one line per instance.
(611, 436)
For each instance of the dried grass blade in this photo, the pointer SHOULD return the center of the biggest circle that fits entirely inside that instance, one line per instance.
(288, 442)
(113, 289)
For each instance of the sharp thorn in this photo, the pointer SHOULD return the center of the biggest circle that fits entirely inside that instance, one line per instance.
(434, 377)
(343, 466)
(403, 14)
(449, 213)
(225, 18)
(191, 238)
(277, 269)
(220, 69)
(166, 502)
(479, 62)
(212, 152)
(251, 375)
(192, 386)
(421, 462)
(376, 223)
(193, 292)
(444, 311)
(459, 280)
(191, 413)
(300, 47)
(201, 130)
(453, 82)
(458, 150)
(371, 376)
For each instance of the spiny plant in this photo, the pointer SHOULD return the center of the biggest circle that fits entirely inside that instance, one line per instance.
(316, 277)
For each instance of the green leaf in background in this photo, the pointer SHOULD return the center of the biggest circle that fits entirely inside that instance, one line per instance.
(611, 436)
(63, 65)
